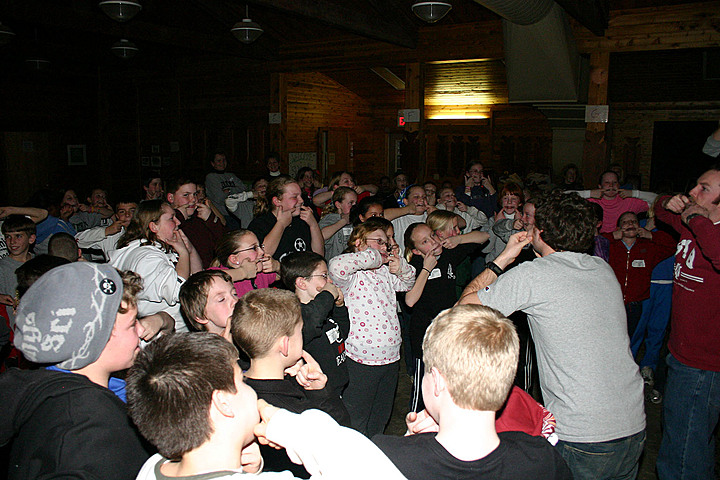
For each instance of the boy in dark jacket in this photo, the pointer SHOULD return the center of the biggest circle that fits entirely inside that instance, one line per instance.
(326, 323)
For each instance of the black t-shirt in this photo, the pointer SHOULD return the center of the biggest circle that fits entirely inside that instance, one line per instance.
(288, 394)
(519, 456)
(439, 292)
(295, 238)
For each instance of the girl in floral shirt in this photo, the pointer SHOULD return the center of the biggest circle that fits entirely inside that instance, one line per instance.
(369, 276)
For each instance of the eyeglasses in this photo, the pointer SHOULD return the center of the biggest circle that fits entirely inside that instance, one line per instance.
(260, 247)
(379, 241)
(323, 275)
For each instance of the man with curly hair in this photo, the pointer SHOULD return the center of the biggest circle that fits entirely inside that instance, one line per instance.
(575, 310)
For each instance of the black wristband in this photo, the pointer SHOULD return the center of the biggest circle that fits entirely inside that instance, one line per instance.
(691, 216)
(493, 267)
(429, 272)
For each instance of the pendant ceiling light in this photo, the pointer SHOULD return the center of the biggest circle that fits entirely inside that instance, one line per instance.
(247, 31)
(37, 63)
(120, 10)
(124, 49)
(6, 35)
(431, 12)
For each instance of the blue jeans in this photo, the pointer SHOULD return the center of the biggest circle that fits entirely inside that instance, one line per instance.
(652, 325)
(690, 414)
(616, 459)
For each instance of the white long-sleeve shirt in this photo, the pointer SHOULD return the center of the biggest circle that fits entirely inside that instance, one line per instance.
(326, 450)
(161, 283)
(369, 289)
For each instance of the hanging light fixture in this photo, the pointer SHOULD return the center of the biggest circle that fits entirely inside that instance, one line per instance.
(431, 12)
(36, 60)
(37, 63)
(247, 31)
(120, 10)
(124, 49)
(6, 35)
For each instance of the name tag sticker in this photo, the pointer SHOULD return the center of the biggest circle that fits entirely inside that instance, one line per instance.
(638, 263)
(434, 274)
(333, 335)
(347, 230)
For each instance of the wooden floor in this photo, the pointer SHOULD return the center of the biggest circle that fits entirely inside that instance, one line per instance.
(647, 462)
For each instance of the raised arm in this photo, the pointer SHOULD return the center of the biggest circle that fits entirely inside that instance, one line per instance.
(317, 242)
(515, 245)
(344, 266)
(272, 239)
(414, 294)
(37, 215)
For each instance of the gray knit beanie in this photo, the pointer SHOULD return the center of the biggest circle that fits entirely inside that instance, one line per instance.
(66, 317)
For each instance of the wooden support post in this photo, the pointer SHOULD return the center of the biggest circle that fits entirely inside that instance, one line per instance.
(596, 148)
(278, 104)
(415, 98)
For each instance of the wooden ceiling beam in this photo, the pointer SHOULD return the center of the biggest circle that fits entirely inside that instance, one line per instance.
(393, 80)
(54, 14)
(593, 14)
(344, 18)
(467, 41)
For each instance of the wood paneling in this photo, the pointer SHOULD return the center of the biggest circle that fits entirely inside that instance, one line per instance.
(315, 102)
(670, 27)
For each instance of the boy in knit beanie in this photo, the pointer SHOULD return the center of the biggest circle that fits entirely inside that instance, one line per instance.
(78, 321)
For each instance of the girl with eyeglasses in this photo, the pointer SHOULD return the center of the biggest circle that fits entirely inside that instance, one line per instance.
(369, 275)
(243, 257)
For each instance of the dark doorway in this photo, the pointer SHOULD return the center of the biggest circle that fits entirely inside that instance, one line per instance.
(677, 158)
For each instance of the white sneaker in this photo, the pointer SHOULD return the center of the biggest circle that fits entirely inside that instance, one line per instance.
(647, 375)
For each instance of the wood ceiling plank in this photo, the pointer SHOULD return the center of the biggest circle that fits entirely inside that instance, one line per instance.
(355, 21)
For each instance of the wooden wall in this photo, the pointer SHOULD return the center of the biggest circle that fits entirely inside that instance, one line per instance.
(633, 125)
(655, 74)
(514, 139)
(316, 103)
(41, 115)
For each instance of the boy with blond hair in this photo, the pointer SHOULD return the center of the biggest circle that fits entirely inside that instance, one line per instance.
(267, 325)
(470, 355)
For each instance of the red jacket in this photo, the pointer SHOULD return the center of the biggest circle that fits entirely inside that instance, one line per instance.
(695, 322)
(633, 268)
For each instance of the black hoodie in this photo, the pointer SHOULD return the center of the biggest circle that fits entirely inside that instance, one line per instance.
(62, 425)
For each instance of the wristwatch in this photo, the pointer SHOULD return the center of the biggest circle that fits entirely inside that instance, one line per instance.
(492, 266)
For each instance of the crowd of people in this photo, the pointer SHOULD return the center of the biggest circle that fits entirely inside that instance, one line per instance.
(210, 329)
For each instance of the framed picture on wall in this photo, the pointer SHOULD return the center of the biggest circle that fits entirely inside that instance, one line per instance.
(145, 161)
(76, 155)
(155, 161)
(155, 148)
